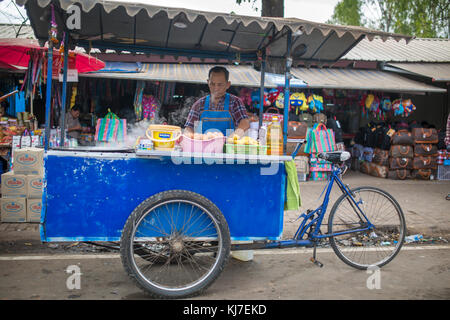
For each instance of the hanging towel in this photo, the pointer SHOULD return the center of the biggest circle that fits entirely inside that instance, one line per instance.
(293, 199)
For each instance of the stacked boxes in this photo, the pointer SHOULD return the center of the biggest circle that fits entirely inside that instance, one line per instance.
(22, 188)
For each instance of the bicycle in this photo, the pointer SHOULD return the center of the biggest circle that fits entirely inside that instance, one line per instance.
(361, 218)
(176, 243)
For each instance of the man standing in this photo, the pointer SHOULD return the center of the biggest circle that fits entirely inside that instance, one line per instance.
(73, 125)
(219, 111)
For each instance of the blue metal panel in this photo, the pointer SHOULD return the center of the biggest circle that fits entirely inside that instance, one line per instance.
(90, 199)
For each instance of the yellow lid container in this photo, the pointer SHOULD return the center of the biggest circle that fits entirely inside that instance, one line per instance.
(163, 136)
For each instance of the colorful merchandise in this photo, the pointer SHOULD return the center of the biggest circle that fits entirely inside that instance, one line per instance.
(298, 102)
(320, 139)
(273, 95)
(111, 128)
(315, 103)
(279, 103)
(256, 98)
(246, 96)
(149, 106)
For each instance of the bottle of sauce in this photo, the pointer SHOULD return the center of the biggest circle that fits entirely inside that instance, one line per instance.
(275, 137)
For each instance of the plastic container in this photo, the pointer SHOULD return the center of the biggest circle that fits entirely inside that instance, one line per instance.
(262, 150)
(163, 136)
(241, 149)
(262, 135)
(230, 148)
(214, 145)
(249, 149)
(242, 255)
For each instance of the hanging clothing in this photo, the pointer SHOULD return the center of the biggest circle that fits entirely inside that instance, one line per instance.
(293, 198)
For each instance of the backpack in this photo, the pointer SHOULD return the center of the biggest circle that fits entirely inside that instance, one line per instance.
(320, 118)
(307, 118)
(298, 102)
(336, 127)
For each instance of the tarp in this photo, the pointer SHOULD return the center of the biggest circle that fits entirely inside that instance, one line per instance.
(125, 67)
(136, 27)
(15, 51)
(360, 80)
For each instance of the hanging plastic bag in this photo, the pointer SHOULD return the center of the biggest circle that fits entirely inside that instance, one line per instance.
(320, 139)
(111, 128)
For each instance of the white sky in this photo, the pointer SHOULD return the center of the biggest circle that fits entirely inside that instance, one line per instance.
(312, 10)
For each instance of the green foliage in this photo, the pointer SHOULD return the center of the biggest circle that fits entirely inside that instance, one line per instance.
(420, 18)
(347, 12)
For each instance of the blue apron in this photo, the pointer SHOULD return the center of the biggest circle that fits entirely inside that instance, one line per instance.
(216, 120)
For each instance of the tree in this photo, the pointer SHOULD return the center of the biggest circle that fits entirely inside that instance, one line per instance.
(347, 12)
(270, 8)
(421, 18)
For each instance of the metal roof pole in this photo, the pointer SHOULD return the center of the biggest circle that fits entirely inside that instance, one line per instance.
(287, 77)
(64, 91)
(48, 97)
(261, 93)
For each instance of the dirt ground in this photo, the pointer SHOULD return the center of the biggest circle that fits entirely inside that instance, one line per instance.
(416, 273)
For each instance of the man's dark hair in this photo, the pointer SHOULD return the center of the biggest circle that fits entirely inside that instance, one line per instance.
(219, 69)
(76, 108)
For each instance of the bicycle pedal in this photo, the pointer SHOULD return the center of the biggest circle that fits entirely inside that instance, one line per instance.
(316, 262)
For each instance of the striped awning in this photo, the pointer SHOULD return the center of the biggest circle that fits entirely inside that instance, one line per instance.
(240, 75)
(360, 80)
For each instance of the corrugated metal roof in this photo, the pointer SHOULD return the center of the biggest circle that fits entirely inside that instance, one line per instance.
(8, 30)
(240, 75)
(188, 73)
(438, 72)
(360, 80)
(417, 50)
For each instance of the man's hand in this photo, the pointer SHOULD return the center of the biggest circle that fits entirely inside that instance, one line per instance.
(76, 128)
(189, 132)
(243, 126)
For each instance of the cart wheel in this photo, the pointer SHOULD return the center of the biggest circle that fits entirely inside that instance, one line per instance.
(175, 244)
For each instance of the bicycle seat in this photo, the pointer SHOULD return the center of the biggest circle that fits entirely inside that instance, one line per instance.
(337, 157)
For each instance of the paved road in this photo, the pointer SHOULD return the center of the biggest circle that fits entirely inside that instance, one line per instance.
(418, 272)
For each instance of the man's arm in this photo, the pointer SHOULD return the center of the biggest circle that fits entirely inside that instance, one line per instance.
(193, 116)
(240, 114)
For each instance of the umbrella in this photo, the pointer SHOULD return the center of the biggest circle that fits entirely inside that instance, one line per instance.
(15, 52)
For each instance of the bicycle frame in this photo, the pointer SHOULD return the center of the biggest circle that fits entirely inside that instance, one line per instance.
(322, 209)
(313, 219)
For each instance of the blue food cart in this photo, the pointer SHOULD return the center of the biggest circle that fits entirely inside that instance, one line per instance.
(176, 214)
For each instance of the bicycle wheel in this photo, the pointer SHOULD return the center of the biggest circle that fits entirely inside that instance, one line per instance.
(175, 244)
(374, 247)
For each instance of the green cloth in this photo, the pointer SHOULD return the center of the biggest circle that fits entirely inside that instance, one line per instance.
(293, 199)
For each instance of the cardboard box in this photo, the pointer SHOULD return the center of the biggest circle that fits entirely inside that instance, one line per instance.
(14, 185)
(13, 209)
(34, 186)
(28, 161)
(34, 208)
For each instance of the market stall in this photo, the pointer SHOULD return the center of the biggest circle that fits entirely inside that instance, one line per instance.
(211, 189)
